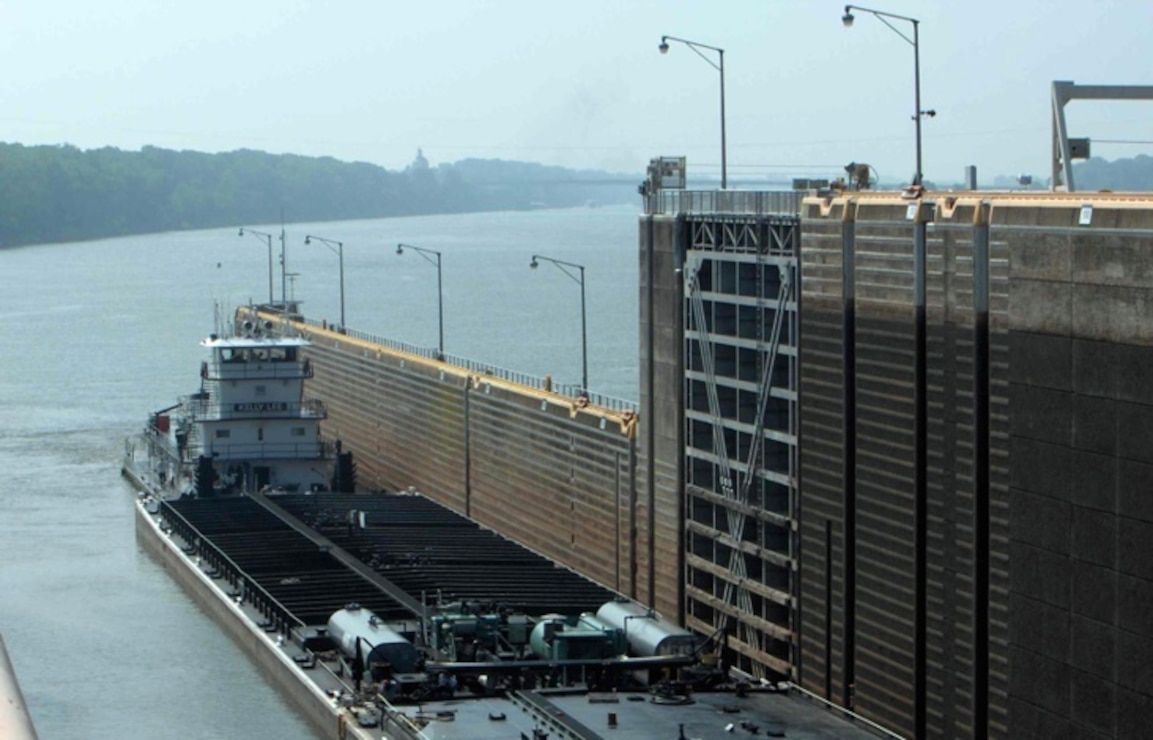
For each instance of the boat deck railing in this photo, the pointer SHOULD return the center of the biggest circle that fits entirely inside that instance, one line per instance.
(257, 370)
(160, 452)
(211, 409)
(311, 450)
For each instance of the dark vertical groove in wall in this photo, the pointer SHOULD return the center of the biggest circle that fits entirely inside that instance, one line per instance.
(632, 518)
(617, 525)
(829, 609)
(680, 246)
(921, 474)
(651, 547)
(650, 540)
(467, 451)
(981, 480)
(650, 402)
(849, 463)
(796, 538)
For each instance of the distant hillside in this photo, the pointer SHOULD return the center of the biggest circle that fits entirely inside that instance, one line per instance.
(62, 193)
(1133, 174)
(1120, 174)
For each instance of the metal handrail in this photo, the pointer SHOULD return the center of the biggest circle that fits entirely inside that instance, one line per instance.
(219, 560)
(758, 202)
(267, 369)
(207, 409)
(484, 368)
(312, 450)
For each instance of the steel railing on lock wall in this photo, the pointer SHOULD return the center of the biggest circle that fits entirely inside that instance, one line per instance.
(755, 202)
(487, 369)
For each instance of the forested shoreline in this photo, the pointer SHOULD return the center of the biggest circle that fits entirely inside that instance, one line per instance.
(62, 193)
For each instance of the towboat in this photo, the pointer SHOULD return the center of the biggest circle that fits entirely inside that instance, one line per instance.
(249, 428)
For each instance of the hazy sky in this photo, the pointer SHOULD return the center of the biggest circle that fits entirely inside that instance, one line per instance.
(577, 84)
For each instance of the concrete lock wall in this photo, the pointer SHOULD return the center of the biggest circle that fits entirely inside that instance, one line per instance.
(994, 581)
(549, 471)
(661, 439)
(1081, 452)
(887, 552)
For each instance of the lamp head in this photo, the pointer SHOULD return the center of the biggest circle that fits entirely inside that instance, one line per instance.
(308, 240)
(534, 264)
(241, 231)
(664, 47)
(847, 18)
(400, 249)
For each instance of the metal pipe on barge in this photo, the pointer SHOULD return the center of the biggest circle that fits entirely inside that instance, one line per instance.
(626, 663)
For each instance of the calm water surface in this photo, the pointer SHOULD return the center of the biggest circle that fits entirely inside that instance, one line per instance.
(95, 335)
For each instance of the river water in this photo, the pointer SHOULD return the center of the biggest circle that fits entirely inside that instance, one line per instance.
(95, 335)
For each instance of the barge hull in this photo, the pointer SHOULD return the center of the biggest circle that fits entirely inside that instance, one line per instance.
(260, 647)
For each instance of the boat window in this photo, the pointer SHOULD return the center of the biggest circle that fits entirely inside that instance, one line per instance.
(229, 354)
(260, 390)
(277, 354)
(260, 354)
(298, 431)
(223, 433)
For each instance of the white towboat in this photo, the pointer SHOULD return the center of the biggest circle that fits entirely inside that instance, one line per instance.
(249, 428)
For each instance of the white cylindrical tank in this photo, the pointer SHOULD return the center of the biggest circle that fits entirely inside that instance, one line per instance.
(647, 633)
(378, 644)
(541, 638)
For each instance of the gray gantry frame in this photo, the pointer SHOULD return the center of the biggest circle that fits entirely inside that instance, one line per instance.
(1063, 92)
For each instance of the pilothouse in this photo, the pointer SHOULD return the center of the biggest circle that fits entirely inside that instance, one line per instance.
(249, 428)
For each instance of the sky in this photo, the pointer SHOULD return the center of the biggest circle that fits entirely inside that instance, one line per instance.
(578, 84)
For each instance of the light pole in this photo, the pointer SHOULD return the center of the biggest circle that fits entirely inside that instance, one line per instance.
(284, 273)
(267, 240)
(439, 291)
(720, 67)
(290, 277)
(564, 267)
(881, 15)
(338, 248)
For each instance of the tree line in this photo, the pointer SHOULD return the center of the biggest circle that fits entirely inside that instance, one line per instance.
(1133, 174)
(63, 193)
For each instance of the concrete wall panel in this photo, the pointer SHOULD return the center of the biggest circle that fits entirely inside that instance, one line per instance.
(1037, 256)
(1041, 306)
